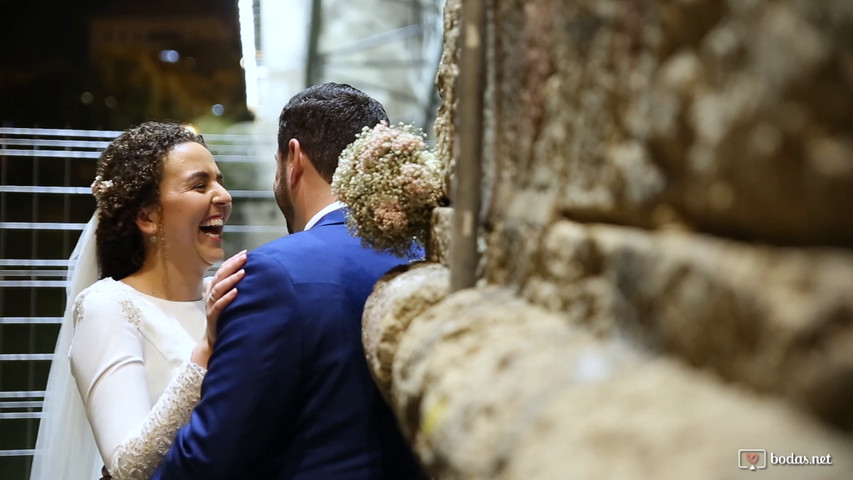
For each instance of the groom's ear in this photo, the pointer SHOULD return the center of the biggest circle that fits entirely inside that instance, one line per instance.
(148, 220)
(297, 161)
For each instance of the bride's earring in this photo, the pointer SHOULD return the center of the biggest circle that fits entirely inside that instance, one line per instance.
(159, 236)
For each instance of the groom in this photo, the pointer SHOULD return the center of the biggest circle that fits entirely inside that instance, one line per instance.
(288, 393)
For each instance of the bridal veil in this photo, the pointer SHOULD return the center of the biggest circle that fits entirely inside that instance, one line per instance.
(65, 447)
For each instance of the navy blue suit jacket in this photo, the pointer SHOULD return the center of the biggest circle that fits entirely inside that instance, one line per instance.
(288, 394)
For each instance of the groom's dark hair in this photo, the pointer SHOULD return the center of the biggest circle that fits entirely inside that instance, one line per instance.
(325, 118)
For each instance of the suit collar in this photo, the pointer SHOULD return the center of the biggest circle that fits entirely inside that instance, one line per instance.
(336, 205)
(334, 217)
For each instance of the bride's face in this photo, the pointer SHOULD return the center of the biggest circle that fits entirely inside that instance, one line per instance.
(194, 205)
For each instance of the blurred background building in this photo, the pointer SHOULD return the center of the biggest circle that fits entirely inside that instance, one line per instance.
(165, 60)
(101, 64)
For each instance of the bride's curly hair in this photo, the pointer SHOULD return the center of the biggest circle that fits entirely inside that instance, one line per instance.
(127, 179)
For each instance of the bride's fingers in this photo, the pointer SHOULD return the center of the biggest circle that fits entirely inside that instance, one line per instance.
(221, 290)
(215, 310)
(221, 287)
(230, 266)
(236, 261)
(220, 304)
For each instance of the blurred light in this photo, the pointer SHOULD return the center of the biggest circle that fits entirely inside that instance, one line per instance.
(249, 62)
(87, 98)
(169, 56)
(110, 102)
(592, 366)
(191, 127)
(218, 110)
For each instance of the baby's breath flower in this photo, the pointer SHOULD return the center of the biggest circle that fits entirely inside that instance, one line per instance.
(391, 183)
(100, 187)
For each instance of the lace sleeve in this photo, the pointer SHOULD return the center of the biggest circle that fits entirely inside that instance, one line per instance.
(140, 453)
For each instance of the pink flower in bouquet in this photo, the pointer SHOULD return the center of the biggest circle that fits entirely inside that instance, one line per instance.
(389, 216)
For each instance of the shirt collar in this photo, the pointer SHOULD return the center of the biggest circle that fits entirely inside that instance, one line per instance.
(337, 205)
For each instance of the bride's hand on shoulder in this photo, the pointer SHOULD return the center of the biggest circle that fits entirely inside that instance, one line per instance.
(220, 293)
(223, 291)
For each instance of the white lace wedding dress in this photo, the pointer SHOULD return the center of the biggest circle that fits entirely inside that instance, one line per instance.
(130, 360)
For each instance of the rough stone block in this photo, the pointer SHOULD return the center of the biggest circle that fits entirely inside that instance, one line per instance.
(660, 420)
(427, 331)
(445, 83)
(734, 118)
(488, 386)
(776, 319)
(398, 297)
(484, 375)
(440, 236)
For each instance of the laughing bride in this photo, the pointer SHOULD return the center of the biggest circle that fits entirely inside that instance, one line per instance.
(133, 347)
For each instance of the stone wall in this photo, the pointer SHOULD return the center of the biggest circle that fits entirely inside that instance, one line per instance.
(487, 386)
(731, 118)
(718, 121)
(668, 248)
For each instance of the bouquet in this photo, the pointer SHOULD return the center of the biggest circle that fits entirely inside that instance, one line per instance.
(391, 182)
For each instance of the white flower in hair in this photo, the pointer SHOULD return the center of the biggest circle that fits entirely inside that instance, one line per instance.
(100, 187)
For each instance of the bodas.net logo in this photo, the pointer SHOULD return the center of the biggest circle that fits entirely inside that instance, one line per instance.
(752, 458)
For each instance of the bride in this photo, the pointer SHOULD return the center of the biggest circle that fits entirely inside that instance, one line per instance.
(133, 347)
